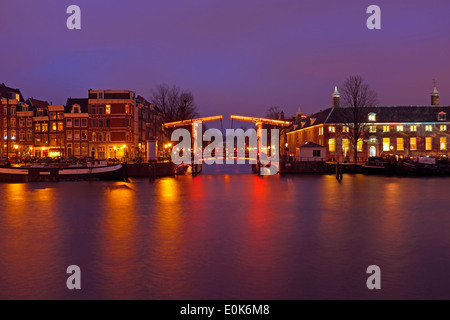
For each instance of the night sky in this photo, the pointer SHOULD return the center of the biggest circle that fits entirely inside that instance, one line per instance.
(237, 57)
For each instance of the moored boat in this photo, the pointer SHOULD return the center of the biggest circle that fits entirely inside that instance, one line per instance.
(98, 170)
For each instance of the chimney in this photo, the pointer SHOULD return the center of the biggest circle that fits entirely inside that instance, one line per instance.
(299, 114)
(336, 97)
(282, 115)
(435, 97)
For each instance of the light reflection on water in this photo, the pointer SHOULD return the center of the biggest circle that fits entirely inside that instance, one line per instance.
(226, 236)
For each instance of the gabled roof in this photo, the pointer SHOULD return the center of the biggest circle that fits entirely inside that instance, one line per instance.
(311, 145)
(83, 103)
(5, 91)
(37, 103)
(384, 114)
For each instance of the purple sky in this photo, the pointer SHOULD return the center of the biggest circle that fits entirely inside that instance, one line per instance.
(237, 57)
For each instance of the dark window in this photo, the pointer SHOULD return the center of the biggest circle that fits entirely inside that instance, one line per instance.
(316, 153)
(94, 110)
(100, 123)
(108, 123)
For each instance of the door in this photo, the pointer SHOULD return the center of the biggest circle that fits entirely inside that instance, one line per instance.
(372, 151)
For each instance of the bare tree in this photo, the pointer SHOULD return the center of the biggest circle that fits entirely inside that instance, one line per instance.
(273, 112)
(186, 106)
(355, 97)
(175, 104)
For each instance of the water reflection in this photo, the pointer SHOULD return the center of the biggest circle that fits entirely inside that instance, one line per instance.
(226, 237)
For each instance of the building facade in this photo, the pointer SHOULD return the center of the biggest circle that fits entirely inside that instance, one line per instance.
(400, 131)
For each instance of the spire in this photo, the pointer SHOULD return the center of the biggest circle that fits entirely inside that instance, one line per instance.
(336, 97)
(435, 94)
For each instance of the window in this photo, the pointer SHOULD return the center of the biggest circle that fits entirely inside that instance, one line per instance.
(399, 128)
(345, 145)
(413, 128)
(69, 150)
(22, 136)
(84, 122)
(330, 129)
(60, 115)
(69, 123)
(24, 107)
(316, 153)
(443, 143)
(29, 122)
(413, 144)
(332, 145)
(12, 122)
(100, 123)
(101, 110)
(76, 122)
(22, 122)
(94, 110)
(400, 146)
(372, 128)
(40, 113)
(108, 123)
(54, 126)
(429, 128)
(442, 116)
(29, 135)
(45, 127)
(69, 134)
(76, 135)
(321, 131)
(60, 126)
(37, 127)
(108, 109)
(373, 140)
(13, 111)
(345, 129)
(5, 110)
(77, 149)
(372, 117)
(84, 135)
(94, 123)
(443, 127)
(94, 136)
(108, 137)
(52, 115)
(100, 95)
(13, 134)
(386, 128)
(84, 149)
(359, 145)
(428, 143)
(386, 144)
(127, 109)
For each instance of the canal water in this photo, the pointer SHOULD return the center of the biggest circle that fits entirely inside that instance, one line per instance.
(227, 234)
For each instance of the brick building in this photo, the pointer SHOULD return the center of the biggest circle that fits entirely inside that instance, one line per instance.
(402, 131)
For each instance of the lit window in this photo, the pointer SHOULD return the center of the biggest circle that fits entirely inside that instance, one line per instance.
(321, 131)
(429, 128)
(413, 128)
(428, 144)
(373, 140)
(60, 126)
(345, 145)
(345, 129)
(45, 127)
(399, 128)
(372, 117)
(386, 144)
(127, 109)
(386, 128)
(400, 144)
(373, 129)
(413, 144)
(359, 145)
(331, 129)
(443, 127)
(108, 109)
(443, 143)
(17, 96)
(332, 145)
(54, 126)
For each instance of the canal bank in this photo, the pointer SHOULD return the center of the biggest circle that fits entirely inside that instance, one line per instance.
(145, 170)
